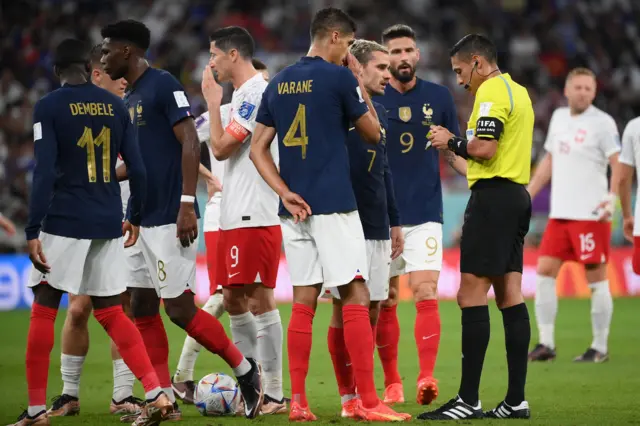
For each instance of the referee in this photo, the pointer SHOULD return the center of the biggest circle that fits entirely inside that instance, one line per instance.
(498, 152)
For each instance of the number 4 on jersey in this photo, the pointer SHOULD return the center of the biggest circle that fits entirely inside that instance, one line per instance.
(299, 122)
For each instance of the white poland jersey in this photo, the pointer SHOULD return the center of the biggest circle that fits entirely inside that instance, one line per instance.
(580, 147)
(212, 209)
(247, 200)
(630, 156)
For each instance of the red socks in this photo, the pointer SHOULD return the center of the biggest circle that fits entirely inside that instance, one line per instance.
(387, 339)
(427, 334)
(155, 341)
(341, 361)
(299, 350)
(359, 342)
(39, 346)
(129, 343)
(207, 330)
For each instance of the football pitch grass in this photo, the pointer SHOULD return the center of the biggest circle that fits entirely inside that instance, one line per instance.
(560, 393)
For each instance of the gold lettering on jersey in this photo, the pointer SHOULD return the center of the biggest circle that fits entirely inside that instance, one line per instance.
(428, 115)
(295, 87)
(131, 113)
(404, 113)
(91, 108)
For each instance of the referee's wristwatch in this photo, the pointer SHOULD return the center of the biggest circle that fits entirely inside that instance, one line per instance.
(459, 146)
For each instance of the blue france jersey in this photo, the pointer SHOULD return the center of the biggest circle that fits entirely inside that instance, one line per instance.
(372, 182)
(414, 163)
(78, 131)
(310, 104)
(157, 102)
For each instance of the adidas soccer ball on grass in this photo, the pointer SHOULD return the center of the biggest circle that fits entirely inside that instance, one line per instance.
(217, 395)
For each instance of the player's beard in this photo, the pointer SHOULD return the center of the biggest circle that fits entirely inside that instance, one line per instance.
(403, 77)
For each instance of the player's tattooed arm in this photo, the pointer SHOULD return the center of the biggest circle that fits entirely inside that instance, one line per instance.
(458, 164)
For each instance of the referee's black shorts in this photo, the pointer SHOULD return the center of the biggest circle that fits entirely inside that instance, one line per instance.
(496, 221)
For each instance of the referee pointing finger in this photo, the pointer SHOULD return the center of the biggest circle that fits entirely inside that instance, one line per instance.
(498, 152)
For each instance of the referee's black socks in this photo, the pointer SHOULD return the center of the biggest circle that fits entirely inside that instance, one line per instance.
(476, 330)
(517, 334)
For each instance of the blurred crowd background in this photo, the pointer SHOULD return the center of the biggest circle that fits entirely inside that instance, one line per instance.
(538, 42)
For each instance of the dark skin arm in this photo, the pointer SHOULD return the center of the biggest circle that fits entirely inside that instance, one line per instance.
(121, 172)
(187, 223)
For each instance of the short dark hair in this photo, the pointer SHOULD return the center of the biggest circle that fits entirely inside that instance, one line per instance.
(95, 55)
(238, 38)
(475, 44)
(71, 51)
(398, 31)
(258, 64)
(331, 19)
(131, 31)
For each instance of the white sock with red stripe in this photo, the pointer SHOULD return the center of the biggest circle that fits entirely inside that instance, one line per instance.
(546, 308)
(601, 313)
(245, 333)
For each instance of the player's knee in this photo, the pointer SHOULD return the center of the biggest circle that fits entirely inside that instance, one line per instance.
(336, 314)
(392, 299)
(355, 293)
(45, 295)
(425, 290)
(144, 303)
(469, 296)
(179, 312)
(234, 304)
(79, 312)
(548, 267)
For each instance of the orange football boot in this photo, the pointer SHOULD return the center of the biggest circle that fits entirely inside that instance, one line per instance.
(427, 391)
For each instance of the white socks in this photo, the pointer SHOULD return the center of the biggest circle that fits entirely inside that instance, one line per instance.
(270, 352)
(191, 348)
(243, 368)
(245, 333)
(170, 395)
(36, 409)
(601, 313)
(152, 394)
(123, 380)
(71, 369)
(546, 307)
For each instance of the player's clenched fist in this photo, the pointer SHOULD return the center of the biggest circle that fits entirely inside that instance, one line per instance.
(211, 90)
(187, 224)
(296, 205)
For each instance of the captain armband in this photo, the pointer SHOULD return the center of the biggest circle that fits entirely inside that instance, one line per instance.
(489, 128)
(459, 146)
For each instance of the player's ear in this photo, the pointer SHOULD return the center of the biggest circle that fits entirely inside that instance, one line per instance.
(418, 53)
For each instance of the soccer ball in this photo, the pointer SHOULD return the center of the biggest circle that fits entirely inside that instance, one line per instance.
(217, 395)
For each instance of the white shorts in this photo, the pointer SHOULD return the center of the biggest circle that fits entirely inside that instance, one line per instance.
(379, 260)
(422, 249)
(82, 267)
(171, 267)
(137, 272)
(325, 249)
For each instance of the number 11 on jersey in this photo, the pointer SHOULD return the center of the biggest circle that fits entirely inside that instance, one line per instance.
(88, 142)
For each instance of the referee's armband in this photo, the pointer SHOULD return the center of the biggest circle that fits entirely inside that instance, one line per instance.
(489, 128)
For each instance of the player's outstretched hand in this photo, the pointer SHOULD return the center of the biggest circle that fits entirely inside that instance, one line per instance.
(133, 231)
(213, 186)
(211, 90)
(296, 205)
(187, 224)
(397, 242)
(36, 255)
(354, 65)
(627, 228)
(439, 137)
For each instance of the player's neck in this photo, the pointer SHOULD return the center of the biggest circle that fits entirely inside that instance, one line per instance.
(574, 112)
(74, 79)
(403, 87)
(136, 70)
(316, 50)
(244, 73)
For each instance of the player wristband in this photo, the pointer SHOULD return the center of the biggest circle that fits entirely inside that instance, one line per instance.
(459, 146)
(187, 199)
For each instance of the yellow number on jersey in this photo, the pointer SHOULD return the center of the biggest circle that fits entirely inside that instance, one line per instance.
(88, 142)
(373, 158)
(406, 139)
(432, 246)
(299, 122)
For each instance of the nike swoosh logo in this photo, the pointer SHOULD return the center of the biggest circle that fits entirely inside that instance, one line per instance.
(348, 365)
(233, 275)
(428, 337)
(351, 128)
(585, 256)
(380, 347)
(181, 395)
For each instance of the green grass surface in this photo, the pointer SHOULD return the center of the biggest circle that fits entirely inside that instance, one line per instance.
(560, 393)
